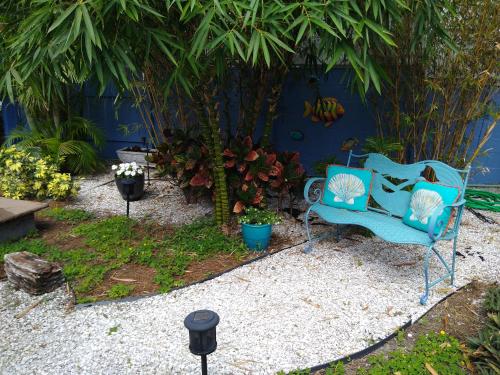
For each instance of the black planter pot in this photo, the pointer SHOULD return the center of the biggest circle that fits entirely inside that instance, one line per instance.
(137, 187)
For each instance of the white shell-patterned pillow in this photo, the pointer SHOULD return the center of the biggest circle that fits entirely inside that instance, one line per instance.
(426, 198)
(347, 187)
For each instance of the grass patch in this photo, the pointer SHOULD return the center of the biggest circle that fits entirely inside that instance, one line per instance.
(103, 245)
(120, 291)
(66, 214)
(202, 239)
(35, 246)
(440, 352)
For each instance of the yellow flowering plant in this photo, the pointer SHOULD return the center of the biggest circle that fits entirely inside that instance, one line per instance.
(23, 175)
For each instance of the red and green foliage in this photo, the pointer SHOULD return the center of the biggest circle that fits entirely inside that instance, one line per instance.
(186, 158)
(291, 177)
(249, 169)
(252, 171)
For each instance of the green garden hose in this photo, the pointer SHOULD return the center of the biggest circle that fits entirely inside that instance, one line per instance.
(482, 200)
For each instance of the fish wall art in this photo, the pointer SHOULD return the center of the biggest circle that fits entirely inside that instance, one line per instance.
(327, 110)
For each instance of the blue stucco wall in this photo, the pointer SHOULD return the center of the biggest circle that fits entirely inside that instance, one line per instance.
(110, 115)
(318, 143)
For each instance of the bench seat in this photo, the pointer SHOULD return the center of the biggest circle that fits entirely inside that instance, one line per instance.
(389, 228)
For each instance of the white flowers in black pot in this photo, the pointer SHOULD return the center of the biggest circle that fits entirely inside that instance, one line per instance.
(132, 172)
(127, 170)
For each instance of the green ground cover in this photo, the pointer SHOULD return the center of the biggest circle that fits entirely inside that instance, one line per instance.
(89, 248)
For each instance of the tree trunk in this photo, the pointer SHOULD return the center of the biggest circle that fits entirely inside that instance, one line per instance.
(273, 100)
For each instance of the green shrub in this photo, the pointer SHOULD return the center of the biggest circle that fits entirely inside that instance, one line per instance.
(72, 144)
(23, 175)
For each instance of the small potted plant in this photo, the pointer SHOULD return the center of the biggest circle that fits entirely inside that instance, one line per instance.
(256, 226)
(126, 173)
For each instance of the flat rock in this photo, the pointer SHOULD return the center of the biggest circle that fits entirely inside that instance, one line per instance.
(11, 209)
(31, 273)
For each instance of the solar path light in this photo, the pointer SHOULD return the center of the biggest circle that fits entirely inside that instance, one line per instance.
(202, 334)
(128, 188)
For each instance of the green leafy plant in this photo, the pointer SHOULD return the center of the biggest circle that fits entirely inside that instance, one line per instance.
(23, 175)
(259, 217)
(440, 353)
(72, 144)
(384, 146)
(66, 214)
(486, 347)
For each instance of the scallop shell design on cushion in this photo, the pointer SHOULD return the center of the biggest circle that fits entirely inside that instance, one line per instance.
(423, 204)
(346, 187)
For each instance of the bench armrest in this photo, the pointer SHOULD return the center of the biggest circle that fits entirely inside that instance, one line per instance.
(440, 226)
(317, 191)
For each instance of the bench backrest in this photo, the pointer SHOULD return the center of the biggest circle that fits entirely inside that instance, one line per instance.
(393, 197)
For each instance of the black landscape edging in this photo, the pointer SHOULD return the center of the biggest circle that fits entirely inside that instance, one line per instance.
(211, 277)
(363, 352)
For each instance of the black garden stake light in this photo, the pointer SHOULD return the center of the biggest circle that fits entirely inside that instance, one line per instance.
(147, 147)
(202, 338)
(128, 187)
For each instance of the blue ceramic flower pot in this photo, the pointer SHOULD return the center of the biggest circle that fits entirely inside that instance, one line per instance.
(256, 237)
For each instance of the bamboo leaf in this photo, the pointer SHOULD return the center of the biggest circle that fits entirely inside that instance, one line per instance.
(89, 28)
(62, 17)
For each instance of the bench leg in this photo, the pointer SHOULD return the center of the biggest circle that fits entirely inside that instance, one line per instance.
(450, 271)
(425, 296)
(309, 246)
(453, 261)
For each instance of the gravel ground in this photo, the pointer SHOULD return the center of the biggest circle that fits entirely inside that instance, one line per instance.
(289, 310)
(163, 201)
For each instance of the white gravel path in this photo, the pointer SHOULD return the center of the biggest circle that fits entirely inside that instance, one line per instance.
(163, 201)
(289, 310)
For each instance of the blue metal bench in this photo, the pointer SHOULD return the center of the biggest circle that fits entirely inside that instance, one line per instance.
(392, 202)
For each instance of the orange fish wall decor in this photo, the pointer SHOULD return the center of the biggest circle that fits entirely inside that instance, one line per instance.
(326, 110)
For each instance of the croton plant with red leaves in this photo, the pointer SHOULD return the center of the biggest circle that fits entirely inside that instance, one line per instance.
(186, 159)
(252, 170)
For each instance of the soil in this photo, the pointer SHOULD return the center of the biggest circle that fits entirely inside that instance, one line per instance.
(136, 275)
(461, 315)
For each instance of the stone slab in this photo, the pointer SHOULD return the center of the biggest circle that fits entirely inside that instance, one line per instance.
(11, 209)
(17, 218)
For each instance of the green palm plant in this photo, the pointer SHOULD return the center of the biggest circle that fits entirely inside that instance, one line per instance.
(73, 144)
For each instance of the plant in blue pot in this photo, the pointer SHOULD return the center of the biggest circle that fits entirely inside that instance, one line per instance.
(257, 226)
